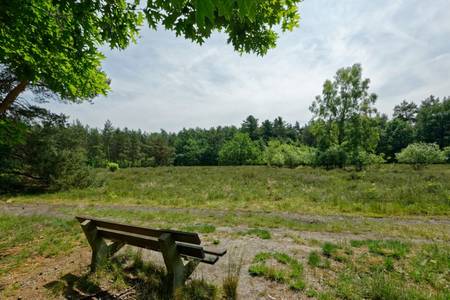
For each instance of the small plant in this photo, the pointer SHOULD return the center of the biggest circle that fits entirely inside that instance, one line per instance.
(329, 249)
(389, 264)
(231, 281)
(201, 228)
(293, 275)
(389, 248)
(314, 259)
(197, 289)
(112, 166)
(261, 233)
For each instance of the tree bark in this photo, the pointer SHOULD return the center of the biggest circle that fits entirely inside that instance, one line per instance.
(12, 96)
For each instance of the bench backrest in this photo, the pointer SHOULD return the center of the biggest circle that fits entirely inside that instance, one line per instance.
(178, 236)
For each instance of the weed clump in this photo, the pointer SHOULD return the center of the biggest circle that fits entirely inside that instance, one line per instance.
(291, 273)
(261, 233)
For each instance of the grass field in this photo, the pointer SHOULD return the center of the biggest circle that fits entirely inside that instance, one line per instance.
(301, 233)
(387, 190)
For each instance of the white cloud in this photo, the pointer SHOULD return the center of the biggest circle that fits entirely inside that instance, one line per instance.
(167, 82)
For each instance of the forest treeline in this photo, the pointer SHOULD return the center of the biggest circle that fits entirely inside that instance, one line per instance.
(42, 149)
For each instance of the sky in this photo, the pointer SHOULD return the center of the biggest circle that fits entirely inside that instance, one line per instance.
(167, 82)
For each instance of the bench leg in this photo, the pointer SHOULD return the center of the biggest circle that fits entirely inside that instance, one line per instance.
(100, 250)
(176, 270)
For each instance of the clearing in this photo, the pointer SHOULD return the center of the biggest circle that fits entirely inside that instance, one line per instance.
(296, 234)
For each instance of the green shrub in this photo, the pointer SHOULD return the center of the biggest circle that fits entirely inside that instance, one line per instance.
(279, 154)
(261, 233)
(112, 166)
(273, 156)
(240, 150)
(420, 154)
(333, 157)
(360, 159)
(314, 259)
(293, 275)
(328, 249)
(446, 151)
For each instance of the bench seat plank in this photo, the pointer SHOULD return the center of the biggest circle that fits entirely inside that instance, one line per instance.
(210, 259)
(149, 242)
(218, 252)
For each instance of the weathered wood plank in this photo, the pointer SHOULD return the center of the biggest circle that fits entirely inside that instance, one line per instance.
(210, 259)
(146, 242)
(218, 252)
(179, 236)
(174, 264)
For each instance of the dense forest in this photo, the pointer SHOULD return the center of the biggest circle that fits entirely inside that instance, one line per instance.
(42, 149)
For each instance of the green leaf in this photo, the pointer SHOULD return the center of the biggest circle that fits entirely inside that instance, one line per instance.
(204, 9)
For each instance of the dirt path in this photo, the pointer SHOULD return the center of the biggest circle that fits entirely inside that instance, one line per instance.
(55, 210)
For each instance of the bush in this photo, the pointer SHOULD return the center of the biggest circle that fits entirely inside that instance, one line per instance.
(446, 151)
(333, 157)
(240, 150)
(112, 166)
(420, 154)
(360, 159)
(278, 154)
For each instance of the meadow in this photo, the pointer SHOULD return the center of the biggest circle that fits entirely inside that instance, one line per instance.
(299, 233)
(386, 190)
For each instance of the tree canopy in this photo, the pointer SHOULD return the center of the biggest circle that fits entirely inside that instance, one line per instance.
(54, 45)
(342, 111)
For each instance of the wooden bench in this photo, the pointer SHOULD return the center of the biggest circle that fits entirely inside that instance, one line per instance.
(174, 246)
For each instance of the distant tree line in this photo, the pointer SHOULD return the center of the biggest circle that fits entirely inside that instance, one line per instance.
(42, 149)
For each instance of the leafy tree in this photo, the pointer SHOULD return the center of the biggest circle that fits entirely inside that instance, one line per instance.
(53, 46)
(406, 111)
(433, 121)
(279, 128)
(192, 152)
(95, 154)
(421, 154)
(266, 130)
(240, 150)
(41, 152)
(107, 135)
(250, 126)
(160, 150)
(342, 100)
(343, 120)
(397, 135)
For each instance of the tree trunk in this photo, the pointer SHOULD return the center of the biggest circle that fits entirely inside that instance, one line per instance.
(12, 96)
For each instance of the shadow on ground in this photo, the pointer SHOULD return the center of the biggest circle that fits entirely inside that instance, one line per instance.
(127, 277)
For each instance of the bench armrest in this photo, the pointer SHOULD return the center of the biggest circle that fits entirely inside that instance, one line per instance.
(218, 252)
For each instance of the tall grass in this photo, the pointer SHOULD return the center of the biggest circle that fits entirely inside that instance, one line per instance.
(387, 190)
